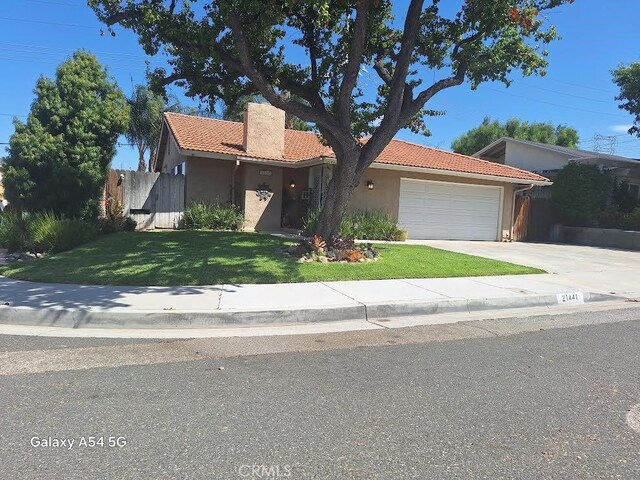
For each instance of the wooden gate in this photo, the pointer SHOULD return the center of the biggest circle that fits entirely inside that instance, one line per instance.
(521, 219)
(154, 200)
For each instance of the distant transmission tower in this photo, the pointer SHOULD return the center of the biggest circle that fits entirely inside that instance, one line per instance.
(605, 143)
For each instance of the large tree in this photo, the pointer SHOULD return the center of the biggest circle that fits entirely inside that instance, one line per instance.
(224, 49)
(628, 80)
(58, 160)
(489, 131)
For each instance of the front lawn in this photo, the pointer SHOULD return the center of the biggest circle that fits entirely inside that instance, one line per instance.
(208, 258)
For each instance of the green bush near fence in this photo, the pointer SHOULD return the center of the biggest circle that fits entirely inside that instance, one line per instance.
(363, 225)
(43, 232)
(211, 216)
(632, 220)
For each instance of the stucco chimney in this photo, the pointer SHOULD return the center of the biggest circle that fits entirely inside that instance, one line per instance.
(263, 130)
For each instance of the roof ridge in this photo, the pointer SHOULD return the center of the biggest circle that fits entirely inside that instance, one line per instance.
(469, 157)
(234, 122)
(200, 117)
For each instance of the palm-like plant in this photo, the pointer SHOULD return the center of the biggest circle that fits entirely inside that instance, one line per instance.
(145, 123)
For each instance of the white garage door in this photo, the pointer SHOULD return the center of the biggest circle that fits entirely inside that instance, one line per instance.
(449, 211)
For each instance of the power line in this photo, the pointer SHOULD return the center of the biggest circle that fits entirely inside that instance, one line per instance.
(580, 85)
(42, 62)
(43, 22)
(45, 47)
(64, 4)
(537, 100)
(609, 102)
(33, 58)
(12, 115)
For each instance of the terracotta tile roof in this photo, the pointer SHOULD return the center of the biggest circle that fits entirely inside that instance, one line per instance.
(221, 136)
(400, 152)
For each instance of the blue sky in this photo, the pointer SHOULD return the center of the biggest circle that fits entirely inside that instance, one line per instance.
(36, 35)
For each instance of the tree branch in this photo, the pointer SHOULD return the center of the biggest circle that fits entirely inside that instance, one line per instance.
(382, 71)
(300, 110)
(121, 16)
(354, 61)
(390, 123)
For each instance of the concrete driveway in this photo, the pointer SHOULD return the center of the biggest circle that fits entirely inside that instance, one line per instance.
(600, 270)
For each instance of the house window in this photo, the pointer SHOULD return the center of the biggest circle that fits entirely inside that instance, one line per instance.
(634, 191)
(179, 169)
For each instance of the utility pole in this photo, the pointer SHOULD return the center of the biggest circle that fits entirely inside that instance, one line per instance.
(605, 143)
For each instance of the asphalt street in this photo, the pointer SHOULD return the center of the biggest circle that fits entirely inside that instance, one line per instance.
(422, 402)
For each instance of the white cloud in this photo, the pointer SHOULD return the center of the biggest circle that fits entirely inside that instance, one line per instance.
(620, 128)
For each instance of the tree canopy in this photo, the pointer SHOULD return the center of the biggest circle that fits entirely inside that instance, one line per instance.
(359, 67)
(628, 80)
(59, 158)
(489, 131)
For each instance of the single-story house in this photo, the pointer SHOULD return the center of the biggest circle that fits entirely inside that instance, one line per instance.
(275, 175)
(548, 159)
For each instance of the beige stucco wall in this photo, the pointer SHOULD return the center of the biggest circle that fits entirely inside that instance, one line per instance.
(172, 156)
(209, 180)
(532, 158)
(261, 214)
(386, 193)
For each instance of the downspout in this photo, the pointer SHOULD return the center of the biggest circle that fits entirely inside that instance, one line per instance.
(516, 191)
(233, 182)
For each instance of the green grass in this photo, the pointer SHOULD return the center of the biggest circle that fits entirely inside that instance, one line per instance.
(206, 258)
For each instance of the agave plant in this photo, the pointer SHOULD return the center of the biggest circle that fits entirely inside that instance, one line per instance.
(317, 244)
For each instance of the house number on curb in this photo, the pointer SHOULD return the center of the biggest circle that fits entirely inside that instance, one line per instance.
(575, 297)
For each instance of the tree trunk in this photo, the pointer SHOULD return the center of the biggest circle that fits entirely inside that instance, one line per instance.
(142, 165)
(337, 196)
(152, 162)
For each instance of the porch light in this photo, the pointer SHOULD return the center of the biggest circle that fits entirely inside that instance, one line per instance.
(292, 184)
(370, 184)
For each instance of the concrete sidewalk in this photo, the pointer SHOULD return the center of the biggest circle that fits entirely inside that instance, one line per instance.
(27, 303)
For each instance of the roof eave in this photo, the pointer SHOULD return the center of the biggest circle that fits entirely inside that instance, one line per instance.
(490, 147)
(454, 173)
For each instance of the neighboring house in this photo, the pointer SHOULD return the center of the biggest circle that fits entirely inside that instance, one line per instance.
(432, 193)
(548, 159)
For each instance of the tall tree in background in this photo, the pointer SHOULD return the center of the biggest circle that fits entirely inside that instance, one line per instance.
(628, 80)
(222, 50)
(489, 131)
(58, 160)
(145, 122)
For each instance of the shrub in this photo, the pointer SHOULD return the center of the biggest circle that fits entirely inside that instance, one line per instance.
(43, 232)
(364, 225)
(370, 225)
(72, 232)
(632, 222)
(580, 191)
(13, 232)
(115, 221)
(200, 215)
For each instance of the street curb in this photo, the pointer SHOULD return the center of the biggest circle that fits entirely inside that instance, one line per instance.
(87, 318)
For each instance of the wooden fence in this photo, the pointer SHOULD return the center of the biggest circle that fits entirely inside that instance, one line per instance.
(536, 219)
(154, 200)
(521, 219)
